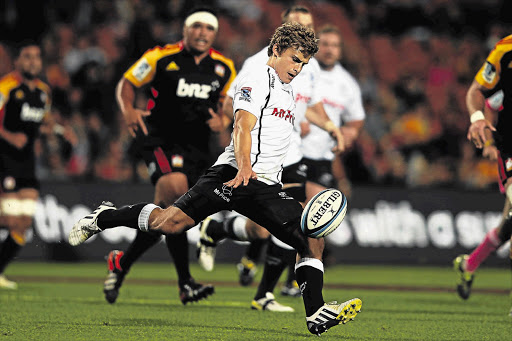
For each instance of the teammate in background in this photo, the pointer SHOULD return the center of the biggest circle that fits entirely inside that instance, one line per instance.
(493, 76)
(187, 81)
(247, 176)
(279, 255)
(24, 108)
(341, 97)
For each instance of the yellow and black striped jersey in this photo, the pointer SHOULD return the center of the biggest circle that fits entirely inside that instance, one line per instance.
(182, 92)
(495, 75)
(22, 109)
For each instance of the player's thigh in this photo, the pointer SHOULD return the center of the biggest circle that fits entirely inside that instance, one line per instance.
(256, 231)
(312, 189)
(280, 215)
(169, 187)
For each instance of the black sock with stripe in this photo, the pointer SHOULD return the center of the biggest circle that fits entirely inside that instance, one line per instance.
(310, 277)
(123, 216)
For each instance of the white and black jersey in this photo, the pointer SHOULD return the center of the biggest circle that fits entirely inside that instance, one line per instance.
(305, 95)
(260, 92)
(341, 97)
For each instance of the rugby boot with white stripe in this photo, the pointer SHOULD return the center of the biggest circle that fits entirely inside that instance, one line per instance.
(86, 227)
(331, 314)
(191, 291)
(269, 303)
(115, 276)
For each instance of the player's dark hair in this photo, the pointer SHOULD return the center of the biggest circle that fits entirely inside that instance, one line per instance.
(24, 43)
(201, 9)
(294, 35)
(293, 9)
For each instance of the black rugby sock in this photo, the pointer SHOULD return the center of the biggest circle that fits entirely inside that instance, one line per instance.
(123, 216)
(254, 250)
(177, 244)
(274, 266)
(8, 251)
(311, 281)
(216, 230)
(143, 241)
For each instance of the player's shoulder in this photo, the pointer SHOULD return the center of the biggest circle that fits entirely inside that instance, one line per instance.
(258, 74)
(9, 81)
(159, 52)
(218, 56)
(505, 43)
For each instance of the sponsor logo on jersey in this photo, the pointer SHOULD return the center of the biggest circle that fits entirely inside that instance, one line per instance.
(245, 94)
(185, 89)
(489, 72)
(29, 113)
(220, 70)
(172, 66)
(141, 69)
(19, 94)
(301, 98)
(508, 164)
(333, 104)
(177, 161)
(287, 115)
(272, 80)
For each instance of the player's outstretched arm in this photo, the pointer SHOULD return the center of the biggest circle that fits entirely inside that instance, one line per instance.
(475, 101)
(242, 141)
(316, 114)
(125, 96)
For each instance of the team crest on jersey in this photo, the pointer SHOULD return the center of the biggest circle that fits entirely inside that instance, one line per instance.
(172, 66)
(177, 161)
(489, 72)
(246, 93)
(19, 94)
(508, 164)
(141, 69)
(220, 70)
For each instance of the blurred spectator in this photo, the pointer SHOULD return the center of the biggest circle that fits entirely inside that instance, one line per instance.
(414, 61)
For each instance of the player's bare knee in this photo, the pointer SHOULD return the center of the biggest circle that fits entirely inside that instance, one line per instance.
(169, 221)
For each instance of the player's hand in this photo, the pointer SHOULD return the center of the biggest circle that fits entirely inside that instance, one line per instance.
(134, 119)
(490, 152)
(216, 122)
(476, 132)
(242, 177)
(19, 140)
(349, 135)
(340, 141)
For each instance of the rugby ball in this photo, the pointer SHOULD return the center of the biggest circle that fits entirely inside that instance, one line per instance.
(323, 213)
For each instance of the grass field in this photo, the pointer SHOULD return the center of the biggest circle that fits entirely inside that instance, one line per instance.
(65, 302)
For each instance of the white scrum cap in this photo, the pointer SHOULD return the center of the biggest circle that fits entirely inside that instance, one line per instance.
(204, 17)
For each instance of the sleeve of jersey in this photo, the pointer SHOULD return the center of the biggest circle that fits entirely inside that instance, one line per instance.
(489, 74)
(251, 92)
(143, 71)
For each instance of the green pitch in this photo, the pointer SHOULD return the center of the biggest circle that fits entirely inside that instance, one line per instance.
(65, 302)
